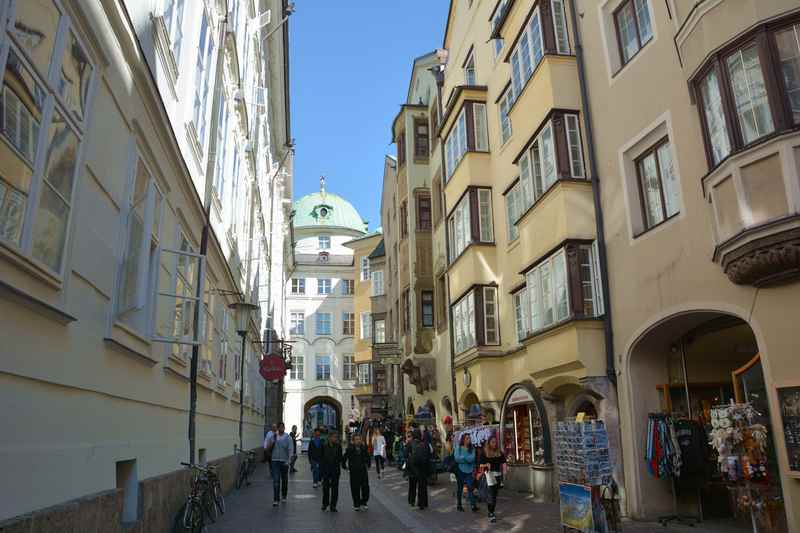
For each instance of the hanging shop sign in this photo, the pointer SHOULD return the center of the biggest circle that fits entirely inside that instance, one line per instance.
(272, 368)
(789, 402)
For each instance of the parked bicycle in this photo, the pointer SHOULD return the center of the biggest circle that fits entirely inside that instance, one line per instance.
(205, 498)
(246, 469)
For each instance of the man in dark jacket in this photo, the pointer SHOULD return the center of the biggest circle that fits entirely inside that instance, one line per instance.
(357, 460)
(419, 466)
(331, 467)
(315, 457)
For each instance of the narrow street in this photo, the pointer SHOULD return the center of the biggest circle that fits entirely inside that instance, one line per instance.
(250, 510)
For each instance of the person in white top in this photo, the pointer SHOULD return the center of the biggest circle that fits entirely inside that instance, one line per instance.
(379, 451)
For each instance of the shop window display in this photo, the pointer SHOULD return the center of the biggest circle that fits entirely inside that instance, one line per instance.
(523, 436)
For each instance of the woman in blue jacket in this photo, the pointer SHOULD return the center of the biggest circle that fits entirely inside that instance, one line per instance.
(465, 459)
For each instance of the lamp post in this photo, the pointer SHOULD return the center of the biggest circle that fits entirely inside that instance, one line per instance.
(242, 311)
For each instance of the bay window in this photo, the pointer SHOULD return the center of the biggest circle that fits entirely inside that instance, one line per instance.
(323, 324)
(527, 53)
(426, 311)
(503, 107)
(421, 138)
(46, 92)
(563, 286)
(514, 209)
(424, 222)
(380, 332)
(751, 89)
(323, 367)
(468, 134)
(475, 319)
(470, 221)
(555, 153)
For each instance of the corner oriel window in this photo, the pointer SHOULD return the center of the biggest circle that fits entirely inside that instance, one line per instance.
(470, 221)
(424, 222)
(426, 310)
(421, 138)
(462, 139)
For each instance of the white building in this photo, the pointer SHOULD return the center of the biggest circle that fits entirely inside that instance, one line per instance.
(126, 127)
(319, 312)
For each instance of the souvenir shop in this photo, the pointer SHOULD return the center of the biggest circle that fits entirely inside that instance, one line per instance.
(525, 438)
(708, 446)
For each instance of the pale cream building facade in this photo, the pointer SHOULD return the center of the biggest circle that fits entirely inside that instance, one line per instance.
(117, 139)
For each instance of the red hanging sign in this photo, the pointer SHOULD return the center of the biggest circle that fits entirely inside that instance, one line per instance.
(272, 368)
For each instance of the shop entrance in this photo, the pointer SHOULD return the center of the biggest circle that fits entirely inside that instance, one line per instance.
(686, 367)
(322, 412)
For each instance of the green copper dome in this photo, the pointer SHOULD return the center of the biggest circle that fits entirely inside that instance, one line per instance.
(324, 209)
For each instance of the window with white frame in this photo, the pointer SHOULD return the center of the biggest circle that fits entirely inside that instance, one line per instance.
(522, 313)
(323, 364)
(177, 302)
(549, 285)
(40, 124)
(538, 164)
(503, 107)
(139, 260)
(348, 367)
(514, 209)
(634, 27)
(491, 325)
(298, 369)
(324, 242)
(461, 139)
(460, 223)
(323, 324)
(298, 286)
(366, 325)
(364, 373)
(499, 14)
(348, 323)
(464, 323)
(560, 26)
(324, 285)
(380, 331)
(365, 268)
(527, 53)
(173, 20)
(470, 77)
(297, 323)
(348, 287)
(377, 283)
(203, 75)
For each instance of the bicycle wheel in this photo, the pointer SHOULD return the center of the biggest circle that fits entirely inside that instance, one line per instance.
(219, 499)
(210, 506)
(198, 523)
(241, 476)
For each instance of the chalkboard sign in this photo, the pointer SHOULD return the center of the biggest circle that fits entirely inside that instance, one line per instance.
(789, 401)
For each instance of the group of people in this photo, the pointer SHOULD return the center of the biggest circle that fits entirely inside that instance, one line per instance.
(327, 459)
(473, 467)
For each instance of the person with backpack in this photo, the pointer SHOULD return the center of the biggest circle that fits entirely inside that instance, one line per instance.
(281, 450)
(331, 466)
(356, 460)
(315, 457)
(493, 466)
(379, 451)
(419, 467)
(465, 459)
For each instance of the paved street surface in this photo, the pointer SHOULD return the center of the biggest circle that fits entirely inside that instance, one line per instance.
(250, 510)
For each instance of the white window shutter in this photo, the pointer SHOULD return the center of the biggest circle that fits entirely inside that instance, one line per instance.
(597, 280)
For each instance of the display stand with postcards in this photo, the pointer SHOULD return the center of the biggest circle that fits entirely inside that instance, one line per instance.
(586, 488)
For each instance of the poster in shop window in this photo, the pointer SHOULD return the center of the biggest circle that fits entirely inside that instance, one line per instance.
(576, 507)
(789, 401)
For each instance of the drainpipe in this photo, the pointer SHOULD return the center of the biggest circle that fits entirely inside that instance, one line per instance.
(611, 372)
(439, 74)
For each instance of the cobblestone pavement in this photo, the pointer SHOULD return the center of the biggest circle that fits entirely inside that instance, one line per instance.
(250, 510)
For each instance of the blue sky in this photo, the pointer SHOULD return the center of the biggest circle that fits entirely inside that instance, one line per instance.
(350, 68)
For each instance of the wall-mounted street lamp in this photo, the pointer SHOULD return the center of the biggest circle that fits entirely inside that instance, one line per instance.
(242, 311)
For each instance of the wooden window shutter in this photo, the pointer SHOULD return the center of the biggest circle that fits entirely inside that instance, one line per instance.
(561, 146)
(574, 284)
(548, 31)
(469, 115)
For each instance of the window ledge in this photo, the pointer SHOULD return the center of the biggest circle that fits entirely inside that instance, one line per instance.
(464, 251)
(547, 193)
(180, 375)
(179, 360)
(33, 303)
(123, 348)
(556, 328)
(30, 265)
(449, 179)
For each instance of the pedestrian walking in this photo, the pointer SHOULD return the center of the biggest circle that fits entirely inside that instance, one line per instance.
(465, 459)
(494, 467)
(281, 453)
(268, 438)
(379, 452)
(419, 466)
(356, 460)
(293, 460)
(331, 466)
(315, 457)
